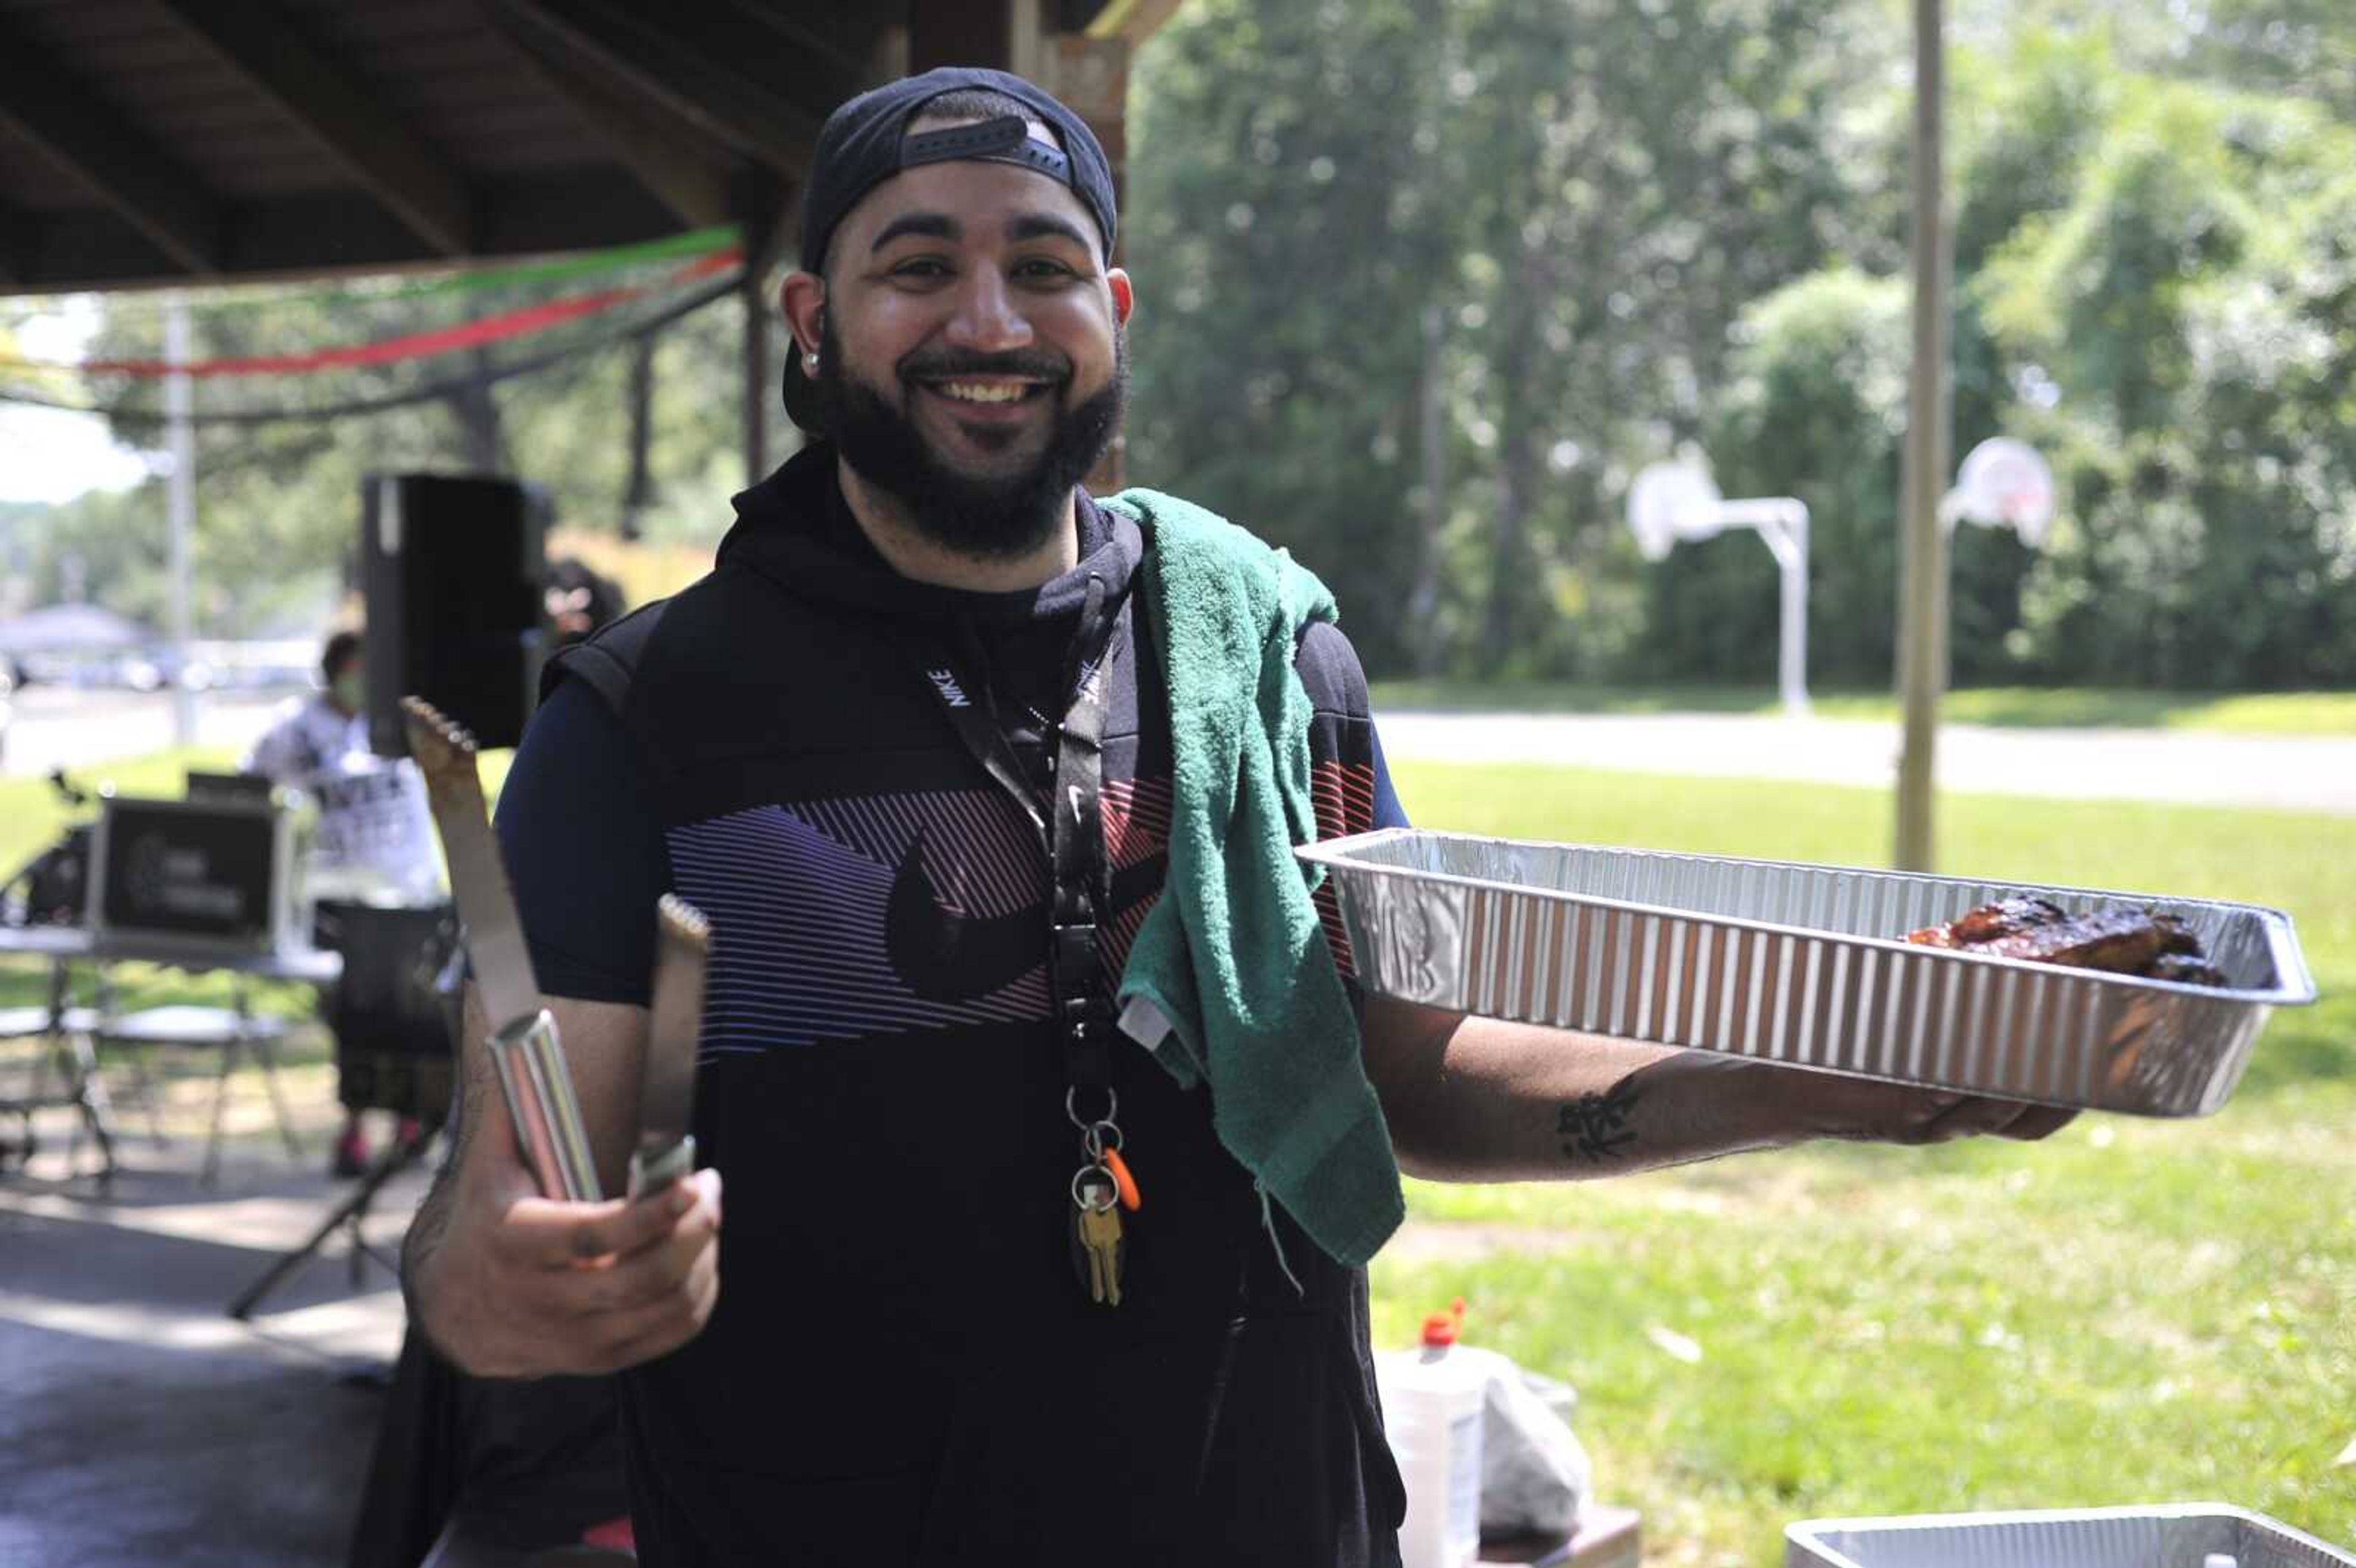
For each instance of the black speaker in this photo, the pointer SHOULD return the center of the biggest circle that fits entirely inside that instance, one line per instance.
(451, 569)
(392, 1018)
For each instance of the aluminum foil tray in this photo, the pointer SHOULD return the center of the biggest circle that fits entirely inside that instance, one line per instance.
(1803, 965)
(2185, 1535)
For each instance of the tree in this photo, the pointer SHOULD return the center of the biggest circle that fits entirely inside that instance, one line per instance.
(2190, 310)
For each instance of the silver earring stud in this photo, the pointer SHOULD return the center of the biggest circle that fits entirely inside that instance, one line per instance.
(810, 360)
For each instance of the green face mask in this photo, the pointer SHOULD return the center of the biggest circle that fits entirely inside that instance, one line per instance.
(349, 691)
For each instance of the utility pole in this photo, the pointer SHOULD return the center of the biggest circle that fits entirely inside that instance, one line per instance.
(180, 404)
(1922, 589)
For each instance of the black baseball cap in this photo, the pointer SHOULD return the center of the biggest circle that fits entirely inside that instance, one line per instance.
(865, 142)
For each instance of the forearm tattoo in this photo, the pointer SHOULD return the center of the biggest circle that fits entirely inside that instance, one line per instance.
(1595, 1126)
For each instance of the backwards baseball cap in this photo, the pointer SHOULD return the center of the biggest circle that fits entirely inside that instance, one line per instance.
(866, 141)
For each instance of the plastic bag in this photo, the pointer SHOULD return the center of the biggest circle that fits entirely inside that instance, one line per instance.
(1535, 1476)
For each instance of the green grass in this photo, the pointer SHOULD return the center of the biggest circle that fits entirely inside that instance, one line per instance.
(2034, 708)
(2131, 1312)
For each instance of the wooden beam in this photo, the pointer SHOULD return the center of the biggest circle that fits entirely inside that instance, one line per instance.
(17, 239)
(685, 174)
(132, 177)
(700, 61)
(841, 38)
(253, 38)
(1133, 21)
(345, 233)
(960, 32)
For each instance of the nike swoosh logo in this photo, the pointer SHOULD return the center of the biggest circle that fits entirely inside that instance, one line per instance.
(944, 957)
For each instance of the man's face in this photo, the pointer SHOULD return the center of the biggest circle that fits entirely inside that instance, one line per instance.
(971, 358)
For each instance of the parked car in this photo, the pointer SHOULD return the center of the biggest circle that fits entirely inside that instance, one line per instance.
(155, 669)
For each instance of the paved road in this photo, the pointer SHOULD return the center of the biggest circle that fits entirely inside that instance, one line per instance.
(2181, 766)
(55, 727)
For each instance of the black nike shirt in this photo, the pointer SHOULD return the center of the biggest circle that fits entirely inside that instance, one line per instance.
(903, 1367)
(545, 816)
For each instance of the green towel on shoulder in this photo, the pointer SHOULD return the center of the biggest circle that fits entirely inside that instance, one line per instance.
(1233, 953)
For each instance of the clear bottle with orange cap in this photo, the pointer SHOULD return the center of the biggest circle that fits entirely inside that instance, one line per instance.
(1432, 1403)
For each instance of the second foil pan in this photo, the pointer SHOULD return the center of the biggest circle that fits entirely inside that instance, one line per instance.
(1803, 965)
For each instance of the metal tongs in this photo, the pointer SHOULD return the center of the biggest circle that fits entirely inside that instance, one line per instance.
(523, 1043)
(666, 1150)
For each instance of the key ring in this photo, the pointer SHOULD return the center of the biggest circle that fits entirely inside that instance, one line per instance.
(1093, 1143)
(1109, 1191)
(1072, 1109)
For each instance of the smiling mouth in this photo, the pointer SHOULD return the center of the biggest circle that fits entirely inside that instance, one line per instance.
(986, 394)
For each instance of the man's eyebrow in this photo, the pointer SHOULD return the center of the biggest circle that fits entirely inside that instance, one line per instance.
(931, 225)
(1046, 226)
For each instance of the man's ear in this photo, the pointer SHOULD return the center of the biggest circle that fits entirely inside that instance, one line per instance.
(802, 300)
(1124, 296)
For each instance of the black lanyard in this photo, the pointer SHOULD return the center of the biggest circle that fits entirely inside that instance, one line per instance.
(1069, 822)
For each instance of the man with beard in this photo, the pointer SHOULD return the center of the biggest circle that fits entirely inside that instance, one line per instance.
(923, 756)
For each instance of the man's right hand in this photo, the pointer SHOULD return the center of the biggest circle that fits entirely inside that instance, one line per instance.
(525, 1287)
(509, 1284)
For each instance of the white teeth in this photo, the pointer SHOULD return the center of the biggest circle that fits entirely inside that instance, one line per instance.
(978, 392)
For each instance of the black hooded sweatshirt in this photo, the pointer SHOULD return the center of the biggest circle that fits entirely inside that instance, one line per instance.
(903, 1367)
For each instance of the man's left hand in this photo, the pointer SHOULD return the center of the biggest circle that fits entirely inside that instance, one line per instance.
(1867, 1112)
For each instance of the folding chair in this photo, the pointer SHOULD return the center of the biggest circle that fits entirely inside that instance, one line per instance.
(233, 1032)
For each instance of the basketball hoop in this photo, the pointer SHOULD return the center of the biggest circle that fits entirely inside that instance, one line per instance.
(1669, 502)
(2004, 484)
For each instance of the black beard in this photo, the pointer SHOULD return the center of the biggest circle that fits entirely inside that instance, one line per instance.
(992, 519)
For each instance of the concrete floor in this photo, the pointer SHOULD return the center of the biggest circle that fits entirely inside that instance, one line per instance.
(139, 1424)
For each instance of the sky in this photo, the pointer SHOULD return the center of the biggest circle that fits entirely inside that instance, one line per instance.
(50, 455)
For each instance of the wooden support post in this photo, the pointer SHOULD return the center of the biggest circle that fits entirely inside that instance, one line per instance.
(758, 372)
(1923, 593)
(767, 228)
(1090, 76)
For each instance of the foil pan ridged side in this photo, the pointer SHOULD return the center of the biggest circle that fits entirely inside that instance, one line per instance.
(1804, 964)
(2183, 1535)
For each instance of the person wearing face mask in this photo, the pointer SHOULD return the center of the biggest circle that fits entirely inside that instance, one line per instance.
(374, 838)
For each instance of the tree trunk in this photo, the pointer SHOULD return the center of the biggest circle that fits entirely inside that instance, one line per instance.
(1519, 316)
(1423, 596)
(482, 435)
(640, 488)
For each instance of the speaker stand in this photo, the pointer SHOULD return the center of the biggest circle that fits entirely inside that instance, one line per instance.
(352, 1214)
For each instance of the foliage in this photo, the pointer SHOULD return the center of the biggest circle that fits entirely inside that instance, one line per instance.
(1649, 225)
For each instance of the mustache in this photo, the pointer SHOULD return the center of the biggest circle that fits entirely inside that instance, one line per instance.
(1035, 364)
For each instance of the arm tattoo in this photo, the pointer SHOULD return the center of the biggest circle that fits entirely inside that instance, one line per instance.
(1596, 1125)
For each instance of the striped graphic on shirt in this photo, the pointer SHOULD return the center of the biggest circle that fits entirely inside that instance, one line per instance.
(1136, 833)
(844, 918)
(797, 896)
(1343, 794)
(847, 918)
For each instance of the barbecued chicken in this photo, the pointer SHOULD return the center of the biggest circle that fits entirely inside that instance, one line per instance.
(2119, 941)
